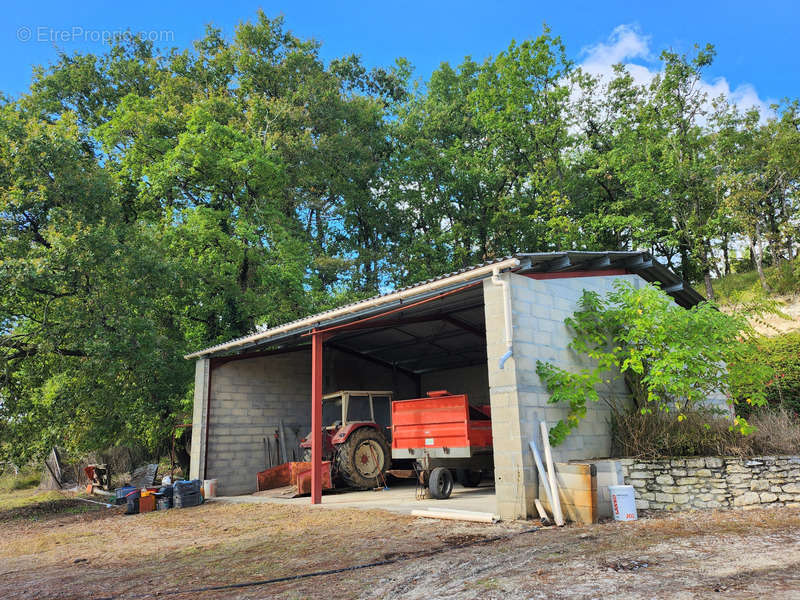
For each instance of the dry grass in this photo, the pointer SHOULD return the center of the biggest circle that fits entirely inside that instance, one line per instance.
(703, 434)
(221, 543)
(777, 432)
(211, 544)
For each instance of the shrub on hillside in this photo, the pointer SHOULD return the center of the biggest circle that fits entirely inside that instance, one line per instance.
(785, 278)
(703, 433)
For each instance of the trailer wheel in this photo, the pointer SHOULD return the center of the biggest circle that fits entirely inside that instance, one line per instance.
(469, 478)
(440, 483)
(363, 457)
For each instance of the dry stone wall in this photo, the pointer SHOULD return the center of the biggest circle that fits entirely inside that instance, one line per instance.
(713, 481)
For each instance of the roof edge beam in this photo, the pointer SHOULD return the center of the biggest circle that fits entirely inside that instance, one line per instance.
(678, 287)
(638, 262)
(372, 359)
(557, 264)
(599, 263)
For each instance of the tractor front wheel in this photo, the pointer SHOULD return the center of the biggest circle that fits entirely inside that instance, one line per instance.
(363, 458)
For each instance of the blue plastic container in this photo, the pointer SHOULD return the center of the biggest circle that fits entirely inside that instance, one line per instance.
(124, 490)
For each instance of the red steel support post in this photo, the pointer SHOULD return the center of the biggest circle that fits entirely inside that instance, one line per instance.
(316, 418)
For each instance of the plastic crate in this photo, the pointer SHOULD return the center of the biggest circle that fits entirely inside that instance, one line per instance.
(132, 499)
(187, 487)
(187, 500)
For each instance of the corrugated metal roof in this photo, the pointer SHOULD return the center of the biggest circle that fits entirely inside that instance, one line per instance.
(640, 263)
(401, 289)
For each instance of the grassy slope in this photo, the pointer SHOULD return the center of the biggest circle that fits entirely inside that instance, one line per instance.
(736, 285)
(26, 479)
(738, 288)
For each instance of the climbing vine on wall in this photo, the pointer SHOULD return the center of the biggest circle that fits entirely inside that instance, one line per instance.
(670, 358)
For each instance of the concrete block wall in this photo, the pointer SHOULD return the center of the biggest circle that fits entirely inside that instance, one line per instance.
(513, 466)
(202, 370)
(250, 397)
(473, 381)
(343, 371)
(518, 397)
(540, 308)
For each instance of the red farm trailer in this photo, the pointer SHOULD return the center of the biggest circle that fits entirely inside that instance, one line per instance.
(443, 434)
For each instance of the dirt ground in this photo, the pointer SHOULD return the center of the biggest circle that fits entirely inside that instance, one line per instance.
(64, 548)
(789, 320)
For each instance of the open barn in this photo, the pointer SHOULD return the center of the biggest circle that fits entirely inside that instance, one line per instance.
(477, 332)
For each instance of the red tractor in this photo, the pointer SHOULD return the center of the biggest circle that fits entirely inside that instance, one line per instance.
(353, 437)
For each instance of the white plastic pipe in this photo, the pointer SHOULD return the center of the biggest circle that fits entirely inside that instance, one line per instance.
(542, 473)
(508, 263)
(504, 283)
(558, 515)
(542, 512)
(448, 515)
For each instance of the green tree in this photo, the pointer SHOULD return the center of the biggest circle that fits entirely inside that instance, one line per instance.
(155, 202)
(88, 354)
(758, 178)
(644, 178)
(479, 161)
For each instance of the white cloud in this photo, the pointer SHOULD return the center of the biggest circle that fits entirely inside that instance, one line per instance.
(624, 43)
(630, 47)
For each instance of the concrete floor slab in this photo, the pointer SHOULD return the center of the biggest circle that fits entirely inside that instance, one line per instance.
(399, 498)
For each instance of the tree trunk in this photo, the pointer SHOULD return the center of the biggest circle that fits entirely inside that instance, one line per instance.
(686, 272)
(707, 273)
(725, 256)
(788, 239)
(757, 251)
(709, 287)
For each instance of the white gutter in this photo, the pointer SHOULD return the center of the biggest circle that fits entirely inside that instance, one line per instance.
(494, 268)
(504, 283)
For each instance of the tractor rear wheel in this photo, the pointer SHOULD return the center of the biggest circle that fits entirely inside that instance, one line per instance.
(363, 457)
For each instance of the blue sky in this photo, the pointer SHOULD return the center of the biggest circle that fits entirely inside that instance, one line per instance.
(756, 42)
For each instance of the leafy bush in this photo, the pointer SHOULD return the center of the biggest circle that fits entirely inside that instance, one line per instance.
(785, 278)
(670, 358)
(702, 433)
(782, 354)
(26, 478)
